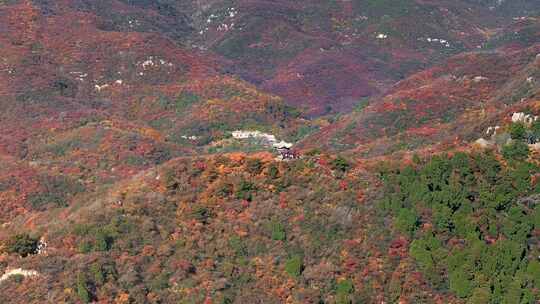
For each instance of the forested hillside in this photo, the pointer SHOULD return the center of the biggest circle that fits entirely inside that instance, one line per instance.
(254, 151)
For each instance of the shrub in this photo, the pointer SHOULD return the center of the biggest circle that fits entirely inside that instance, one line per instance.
(57, 190)
(160, 282)
(202, 214)
(244, 190)
(135, 160)
(254, 165)
(278, 232)
(273, 171)
(61, 148)
(517, 131)
(533, 270)
(480, 296)
(17, 278)
(39, 200)
(224, 190)
(416, 159)
(103, 241)
(185, 100)
(82, 288)
(85, 247)
(516, 150)
(313, 152)
(65, 87)
(340, 164)
(343, 291)
(361, 105)
(535, 129)
(303, 132)
(294, 266)
(460, 283)
(23, 245)
(238, 246)
(101, 237)
(97, 273)
(407, 221)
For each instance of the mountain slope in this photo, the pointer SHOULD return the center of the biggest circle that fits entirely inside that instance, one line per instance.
(292, 49)
(246, 228)
(446, 104)
(122, 179)
(100, 106)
